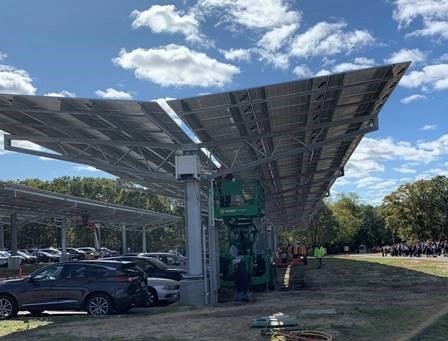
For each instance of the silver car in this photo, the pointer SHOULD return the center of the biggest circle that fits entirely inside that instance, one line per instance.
(172, 260)
(3, 258)
(163, 290)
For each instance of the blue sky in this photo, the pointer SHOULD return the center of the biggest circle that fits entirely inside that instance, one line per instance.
(155, 49)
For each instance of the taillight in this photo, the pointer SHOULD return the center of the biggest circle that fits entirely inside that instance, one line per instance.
(126, 279)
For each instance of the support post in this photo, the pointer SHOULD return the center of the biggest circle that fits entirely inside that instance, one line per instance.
(193, 227)
(2, 237)
(14, 260)
(213, 248)
(64, 256)
(144, 239)
(124, 248)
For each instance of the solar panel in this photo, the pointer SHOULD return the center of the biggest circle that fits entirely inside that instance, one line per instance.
(295, 137)
(35, 205)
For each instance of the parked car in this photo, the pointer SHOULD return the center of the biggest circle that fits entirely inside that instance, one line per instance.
(75, 254)
(45, 257)
(153, 267)
(162, 290)
(27, 257)
(8, 254)
(100, 287)
(172, 260)
(105, 252)
(55, 252)
(3, 259)
(90, 252)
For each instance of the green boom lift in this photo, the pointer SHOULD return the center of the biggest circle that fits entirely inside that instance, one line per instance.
(240, 204)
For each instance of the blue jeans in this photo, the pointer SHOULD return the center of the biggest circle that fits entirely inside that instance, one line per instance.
(241, 296)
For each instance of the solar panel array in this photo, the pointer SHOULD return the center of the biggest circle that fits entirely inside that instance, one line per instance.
(295, 137)
(35, 205)
(308, 128)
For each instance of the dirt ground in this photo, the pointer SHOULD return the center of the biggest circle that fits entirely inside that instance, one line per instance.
(353, 299)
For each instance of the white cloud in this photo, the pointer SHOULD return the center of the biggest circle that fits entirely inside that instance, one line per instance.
(429, 127)
(276, 38)
(63, 93)
(277, 59)
(443, 58)
(113, 94)
(302, 71)
(3, 55)
(413, 98)
(430, 173)
(166, 19)
(358, 63)
(367, 181)
(86, 169)
(432, 28)
(431, 77)
(174, 65)
(253, 14)
(433, 14)
(437, 147)
(359, 169)
(237, 54)
(15, 81)
(328, 39)
(387, 186)
(404, 55)
(405, 170)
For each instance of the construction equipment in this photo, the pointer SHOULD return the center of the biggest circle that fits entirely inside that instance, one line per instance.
(240, 204)
(291, 255)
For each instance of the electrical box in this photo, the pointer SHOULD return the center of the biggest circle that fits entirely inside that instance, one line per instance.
(188, 167)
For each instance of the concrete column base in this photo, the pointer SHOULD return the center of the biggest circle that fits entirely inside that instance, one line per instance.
(14, 262)
(192, 292)
(64, 258)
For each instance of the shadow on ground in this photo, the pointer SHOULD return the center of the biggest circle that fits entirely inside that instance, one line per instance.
(354, 299)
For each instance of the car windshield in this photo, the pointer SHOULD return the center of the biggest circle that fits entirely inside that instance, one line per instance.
(156, 262)
(54, 252)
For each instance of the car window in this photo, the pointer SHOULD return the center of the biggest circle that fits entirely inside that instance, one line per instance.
(49, 274)
(158, 263)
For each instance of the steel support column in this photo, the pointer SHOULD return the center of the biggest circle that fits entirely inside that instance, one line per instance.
(14, 260)
(2, 237)
(144, 239)
(124, 248)
(13, 226)
(64, 256)
(213, 248)
(193, 227)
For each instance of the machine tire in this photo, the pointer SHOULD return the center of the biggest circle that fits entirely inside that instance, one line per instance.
(8, 307)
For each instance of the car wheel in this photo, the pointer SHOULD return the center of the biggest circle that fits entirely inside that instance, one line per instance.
(8, 307)
(99, 305)
(152, 297)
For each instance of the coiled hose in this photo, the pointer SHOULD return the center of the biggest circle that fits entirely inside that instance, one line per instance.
(296, 335)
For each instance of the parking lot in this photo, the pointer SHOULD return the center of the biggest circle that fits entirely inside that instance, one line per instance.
(352, 298)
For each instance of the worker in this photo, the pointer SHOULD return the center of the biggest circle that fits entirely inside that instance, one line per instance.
(242, 282)
(319, 253)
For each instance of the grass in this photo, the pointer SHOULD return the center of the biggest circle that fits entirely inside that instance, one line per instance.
(374, 298)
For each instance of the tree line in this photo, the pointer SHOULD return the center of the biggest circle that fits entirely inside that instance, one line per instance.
(46, 234)
(414, 212)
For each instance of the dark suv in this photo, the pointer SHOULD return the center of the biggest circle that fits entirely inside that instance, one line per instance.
(99, 287)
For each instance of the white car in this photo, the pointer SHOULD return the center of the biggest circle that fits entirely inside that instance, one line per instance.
(163, 290)
(3, 259)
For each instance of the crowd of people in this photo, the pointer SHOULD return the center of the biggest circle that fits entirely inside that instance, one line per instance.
(429, 248)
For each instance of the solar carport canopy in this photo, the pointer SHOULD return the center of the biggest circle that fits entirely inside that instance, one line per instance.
(295, 137)
(36, 205)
